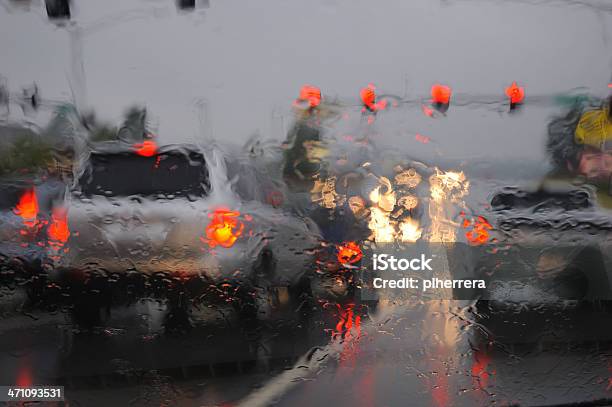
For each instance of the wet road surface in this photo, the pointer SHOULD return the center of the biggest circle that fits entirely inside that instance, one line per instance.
(434, 353)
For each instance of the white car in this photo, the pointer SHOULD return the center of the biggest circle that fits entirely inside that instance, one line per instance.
(171, 213)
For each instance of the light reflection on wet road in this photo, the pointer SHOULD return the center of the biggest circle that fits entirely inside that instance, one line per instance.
(433, 354)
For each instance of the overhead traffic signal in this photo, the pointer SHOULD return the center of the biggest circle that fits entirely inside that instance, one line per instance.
(186, 4)
(58, 9)
(440, 97)
(190, 5)
(516, 94)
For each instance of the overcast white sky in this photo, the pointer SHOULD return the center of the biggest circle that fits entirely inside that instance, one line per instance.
(248, 58)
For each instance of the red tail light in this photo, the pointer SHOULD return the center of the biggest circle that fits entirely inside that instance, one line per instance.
(224, 228)
(27, 208)
(148, 148)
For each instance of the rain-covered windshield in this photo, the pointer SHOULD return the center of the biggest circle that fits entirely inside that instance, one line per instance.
(306, 203)
(165, 174)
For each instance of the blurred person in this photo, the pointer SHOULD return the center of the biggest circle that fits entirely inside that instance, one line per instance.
(304, 147)
(580, 147)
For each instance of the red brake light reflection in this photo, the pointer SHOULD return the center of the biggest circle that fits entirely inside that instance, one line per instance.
(479, 234)
(58, 230)
(349, 253)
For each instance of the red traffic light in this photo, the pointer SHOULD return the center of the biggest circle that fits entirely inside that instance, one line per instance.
(515, 93)
(310, 94)
(440, 94)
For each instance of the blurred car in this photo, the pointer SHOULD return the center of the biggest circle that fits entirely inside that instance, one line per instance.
(142, 221)
(25, 211)
(554, 239)
(261, 174)
(552, 250)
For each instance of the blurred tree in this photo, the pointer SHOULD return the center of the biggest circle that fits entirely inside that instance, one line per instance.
(28, 153)
(103, 133)
(98, 131)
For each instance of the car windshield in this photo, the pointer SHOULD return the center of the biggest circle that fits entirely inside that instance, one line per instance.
(166, 174)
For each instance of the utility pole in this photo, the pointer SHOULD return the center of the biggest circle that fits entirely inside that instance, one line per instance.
(79, 82)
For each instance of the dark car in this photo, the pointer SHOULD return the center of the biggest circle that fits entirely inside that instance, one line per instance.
(551, 245)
